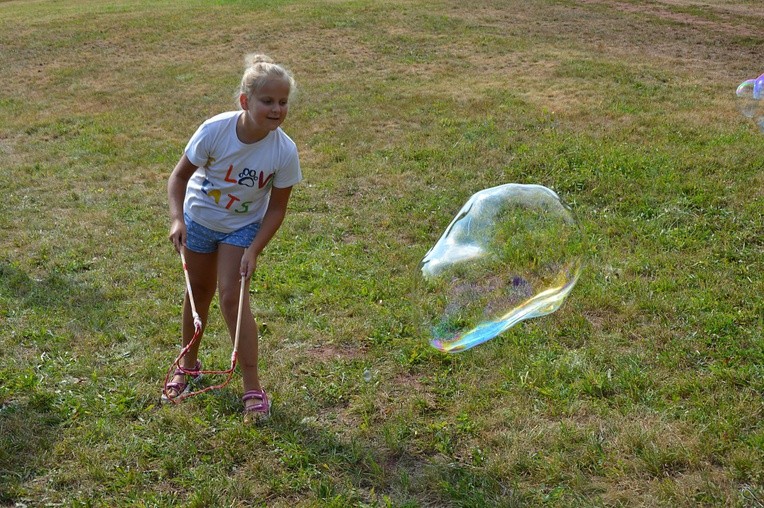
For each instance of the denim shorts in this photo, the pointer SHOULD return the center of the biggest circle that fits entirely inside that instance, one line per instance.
(205, 240)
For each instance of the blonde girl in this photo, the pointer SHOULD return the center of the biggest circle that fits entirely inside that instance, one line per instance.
(228, 196)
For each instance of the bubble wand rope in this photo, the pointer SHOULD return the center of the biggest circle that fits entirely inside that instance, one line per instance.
(195, 339)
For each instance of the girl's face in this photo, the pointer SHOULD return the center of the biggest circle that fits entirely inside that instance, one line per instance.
(267, 107)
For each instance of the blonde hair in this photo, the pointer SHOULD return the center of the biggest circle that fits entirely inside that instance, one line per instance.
(259, 69)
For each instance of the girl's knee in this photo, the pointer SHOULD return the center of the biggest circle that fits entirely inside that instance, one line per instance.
(229, 303)
(229, 306)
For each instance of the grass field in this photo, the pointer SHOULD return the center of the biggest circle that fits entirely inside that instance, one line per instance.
(645, 389)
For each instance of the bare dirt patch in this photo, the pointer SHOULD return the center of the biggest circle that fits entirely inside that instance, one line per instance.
(330, 352)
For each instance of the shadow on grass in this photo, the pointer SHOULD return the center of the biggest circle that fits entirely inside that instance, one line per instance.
(37, 309)
(345, 469)
(53, 291)
(406, 479)
(28, 429)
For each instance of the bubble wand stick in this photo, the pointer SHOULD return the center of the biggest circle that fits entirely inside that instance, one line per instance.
(175, 366)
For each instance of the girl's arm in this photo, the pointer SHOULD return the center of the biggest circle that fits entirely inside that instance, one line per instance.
(176, 193)
(274, 216)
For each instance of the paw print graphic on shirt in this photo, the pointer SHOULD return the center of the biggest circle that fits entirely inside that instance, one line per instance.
(247, 177)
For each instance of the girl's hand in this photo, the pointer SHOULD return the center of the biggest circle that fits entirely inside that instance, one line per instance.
(248, 264)
(178, 234)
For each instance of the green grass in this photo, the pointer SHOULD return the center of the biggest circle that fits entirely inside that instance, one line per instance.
(645, 389)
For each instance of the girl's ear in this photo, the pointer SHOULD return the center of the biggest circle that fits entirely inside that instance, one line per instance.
(244, 102)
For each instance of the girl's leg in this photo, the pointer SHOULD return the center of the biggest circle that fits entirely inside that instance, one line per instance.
(203, 277)
(229, 287)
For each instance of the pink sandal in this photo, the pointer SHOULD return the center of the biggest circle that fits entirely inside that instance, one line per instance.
(182, 387)
(256, 411)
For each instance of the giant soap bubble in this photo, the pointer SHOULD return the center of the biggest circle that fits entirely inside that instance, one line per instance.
(513, 252)
(750, 95)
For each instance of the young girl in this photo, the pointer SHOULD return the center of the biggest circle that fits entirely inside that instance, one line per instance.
(228, 196)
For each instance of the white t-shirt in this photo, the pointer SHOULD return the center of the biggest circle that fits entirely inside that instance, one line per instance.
(232, 186)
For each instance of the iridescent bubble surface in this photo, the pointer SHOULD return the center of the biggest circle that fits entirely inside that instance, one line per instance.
(750, 97)
(513, 252)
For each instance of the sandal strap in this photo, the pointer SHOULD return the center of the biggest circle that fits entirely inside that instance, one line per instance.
(194, 373)
(263, 407)
(178, 387)
(255, 394)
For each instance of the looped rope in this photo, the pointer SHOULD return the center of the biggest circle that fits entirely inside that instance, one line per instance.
(195, 340)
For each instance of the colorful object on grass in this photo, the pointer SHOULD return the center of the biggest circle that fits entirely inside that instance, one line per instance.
(513, 252)
(750, 95)
(176, 366)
